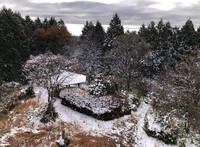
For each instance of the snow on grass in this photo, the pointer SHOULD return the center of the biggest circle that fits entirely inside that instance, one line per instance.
(12, 132)
(68, 115)
(127, 130)
(87, 123)
(82, 99)
(152, 124)
(127, 127)
(143, 140)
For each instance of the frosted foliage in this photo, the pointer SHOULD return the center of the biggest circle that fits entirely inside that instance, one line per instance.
(45, 69)
(82, 99)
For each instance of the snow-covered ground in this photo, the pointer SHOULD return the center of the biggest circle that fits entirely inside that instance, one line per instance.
(113, 127)
(127, 130)
(143, 140)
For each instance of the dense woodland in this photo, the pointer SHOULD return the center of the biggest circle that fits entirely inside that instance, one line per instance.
(159, 61)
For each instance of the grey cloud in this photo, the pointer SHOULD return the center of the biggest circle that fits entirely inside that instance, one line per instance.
(136, 13)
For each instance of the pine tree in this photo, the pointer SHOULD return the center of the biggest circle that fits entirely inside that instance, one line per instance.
(99, 34)
(88, 31)
(45, 24)
(188, 34)
(152, 34)
(143, 31)
(198, 36)
(52, 20)
(92, 47)
(38, 23)
(29, 26)
(115, 29)
(61, 23)
(14, 48)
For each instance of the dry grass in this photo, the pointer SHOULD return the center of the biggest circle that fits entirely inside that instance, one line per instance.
(30, 139)
(82, 140)
(43, 138)
(23, 106)
(18, 116)
(5, 124)
(47, 134)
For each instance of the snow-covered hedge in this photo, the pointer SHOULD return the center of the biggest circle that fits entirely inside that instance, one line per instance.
(102, 107)
(163, 128)
(103, 87)
(97, 105)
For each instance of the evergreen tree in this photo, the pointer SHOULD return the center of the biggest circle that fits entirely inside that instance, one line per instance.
(99, 34)
(143, 31)
(52, 20)
(115, 29)
(152, 34)
(29, 27)
(198, 36)
(91, 52)
(38, 23)
(61, 23)
(29, 23)
(88, 31)
(160, 31)
(188, 35)
(14, 48)
(45, 24)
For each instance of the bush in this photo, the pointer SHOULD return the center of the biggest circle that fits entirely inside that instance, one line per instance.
(162, 128)
(29, 93)
(103, 87)
(129, 101)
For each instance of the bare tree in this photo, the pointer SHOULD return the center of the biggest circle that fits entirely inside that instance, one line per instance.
(49, 71)
(128, 53)
(179, 91)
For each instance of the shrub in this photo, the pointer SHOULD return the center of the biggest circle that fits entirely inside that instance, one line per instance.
(29, 93)
(103, 87)
(162, 128)
(129, 101)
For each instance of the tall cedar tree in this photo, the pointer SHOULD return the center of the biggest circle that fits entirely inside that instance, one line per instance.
(99, 34)
(115, 29)
(92, 39)
(94, 33)
(189, 36)
(38, 23)
(14, 49)
(87, 31)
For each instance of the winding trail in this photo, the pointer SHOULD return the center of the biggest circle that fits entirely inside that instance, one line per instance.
(142, 139)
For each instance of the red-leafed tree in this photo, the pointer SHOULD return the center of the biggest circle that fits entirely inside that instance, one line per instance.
(55, 38)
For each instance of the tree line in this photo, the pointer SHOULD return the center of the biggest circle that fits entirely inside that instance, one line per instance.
(169, 55)
(22, 37)
(126, 55)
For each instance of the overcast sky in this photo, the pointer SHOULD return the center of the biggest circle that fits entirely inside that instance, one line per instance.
(133, 13)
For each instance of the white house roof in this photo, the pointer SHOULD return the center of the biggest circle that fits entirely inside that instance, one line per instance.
(70, 78)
